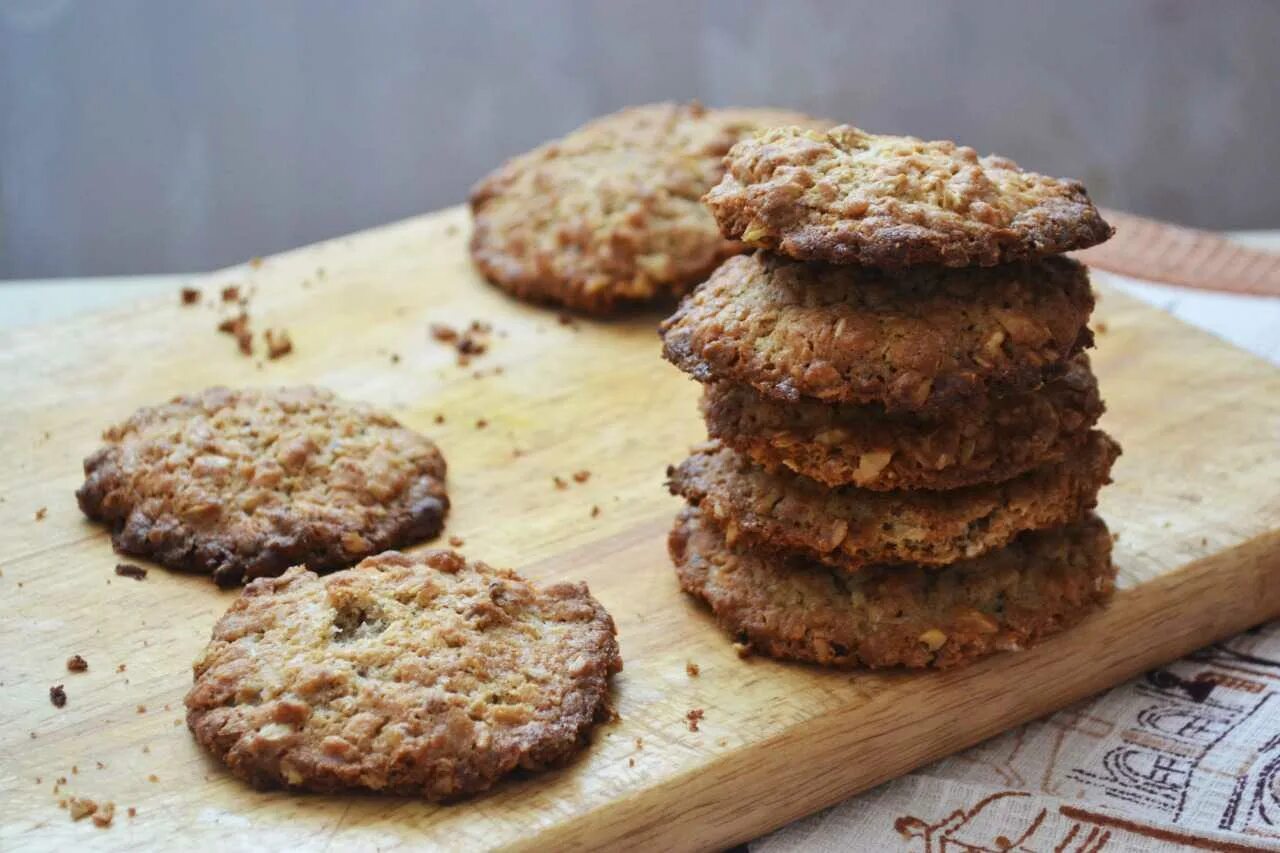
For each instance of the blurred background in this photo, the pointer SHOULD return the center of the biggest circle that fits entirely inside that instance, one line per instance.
(146, 136)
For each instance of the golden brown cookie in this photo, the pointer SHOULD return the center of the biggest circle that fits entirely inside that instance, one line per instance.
(838, 444)
(849, 197)
(908, 616)
(920, 342)
(422, 675)
(611, 214)
(240, 484)
(851, 528)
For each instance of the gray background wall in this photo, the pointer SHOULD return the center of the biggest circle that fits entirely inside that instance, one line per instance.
(154, 136)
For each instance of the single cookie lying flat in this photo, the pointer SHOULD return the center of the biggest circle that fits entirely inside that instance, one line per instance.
(900, 616)
(839, 444)
(423, 675)
(610, 214)
(920, 342)
(850, 197)
(851, 528)
(242, 484)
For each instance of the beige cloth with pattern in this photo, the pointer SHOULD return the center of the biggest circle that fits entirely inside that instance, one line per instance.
(1184, 757)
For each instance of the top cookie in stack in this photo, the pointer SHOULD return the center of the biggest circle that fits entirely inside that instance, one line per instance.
(898, 371)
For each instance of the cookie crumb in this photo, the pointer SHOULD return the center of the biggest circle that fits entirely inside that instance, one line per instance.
(560, 482)
(190, 296)
(442, 333)
(439, 419)
(482, 423)
(595, 511)
(120, 668)
(75, 663)
(743, 650)
(41, 513)
(153, 778)
(238, 327)
(456, 541)
(1100, 327)
(230, 293)
(279, 344)
(639, 743)
(129, 570)
(255, 262)
(694, 717)
(395, 358)
(631, 762)
(104, 815)
(567, 320)
(692, 669)
(81, 807)
(131, 812)
(58, 696)
(142, 709)
(581, 476)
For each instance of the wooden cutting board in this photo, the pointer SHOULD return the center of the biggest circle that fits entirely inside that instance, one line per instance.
(1196, 504)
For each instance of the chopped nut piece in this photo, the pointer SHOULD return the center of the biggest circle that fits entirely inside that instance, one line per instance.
(933, 638)
(75, 663)
(58, 696)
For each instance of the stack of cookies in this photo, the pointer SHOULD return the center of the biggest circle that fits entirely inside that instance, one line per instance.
(903, 461)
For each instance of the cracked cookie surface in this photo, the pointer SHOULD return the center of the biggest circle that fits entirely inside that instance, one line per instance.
(851, 529)
(423, 675)
(246, 483)
(611, 214)
(791, 608)
(921, 342)
(846, 196)
(839, 444)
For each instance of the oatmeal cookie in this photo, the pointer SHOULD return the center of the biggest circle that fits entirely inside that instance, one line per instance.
(921, 342)
(791, 608)
(851, 528)
(423, 675)
(838, 444)
(845, 196)
(240, 484)
(610, 214)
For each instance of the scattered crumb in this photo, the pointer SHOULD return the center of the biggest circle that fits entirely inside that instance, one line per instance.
(595, 511)
(120, 668)
(560, 482)
(255, 262)
(132, 812)
(101, 766)
(81, 807)
(41, 513)
(75, 663)
(75, 769)
(482, 423)
(146, 748)
(693, 669)
(129, 570)
(1100, 327)
(395, 358)
(1204, 540)
(190, 296)
(142, 709)
(631, 762)
(450, 230)
(238, 327)
(230, 293)
(694, 716)
(58, 696)
(743, 649)
(279, 343)
(439, 419)
(567, 320)
(581, 476)
(457, 541)
(639, 743)
(153, 778)
(444, 334)
(102, 819)
(516, 453)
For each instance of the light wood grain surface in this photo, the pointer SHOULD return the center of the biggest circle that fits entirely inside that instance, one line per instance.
(1196, 503)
